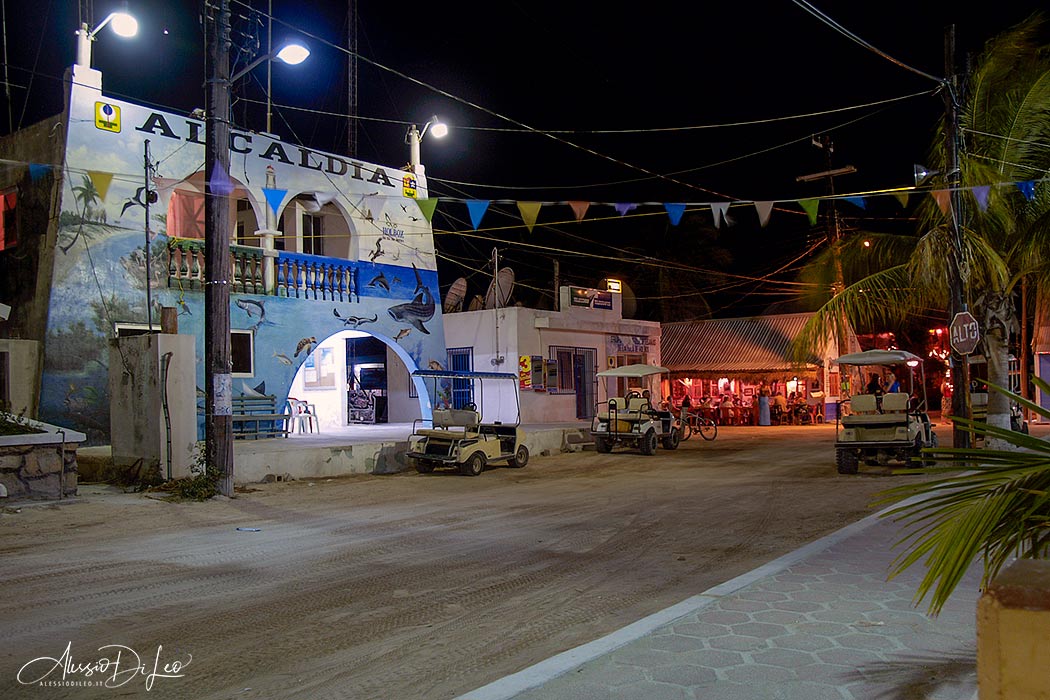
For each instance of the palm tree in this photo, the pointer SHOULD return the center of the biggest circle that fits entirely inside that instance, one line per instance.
(1003, 119)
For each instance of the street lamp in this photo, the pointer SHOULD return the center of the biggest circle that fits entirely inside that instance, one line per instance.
(123, 25)
(291, 53)
(436, 127)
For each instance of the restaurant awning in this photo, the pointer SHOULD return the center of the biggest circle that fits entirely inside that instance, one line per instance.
(754, 347)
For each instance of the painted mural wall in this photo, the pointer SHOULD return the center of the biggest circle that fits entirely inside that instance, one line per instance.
(100, 271)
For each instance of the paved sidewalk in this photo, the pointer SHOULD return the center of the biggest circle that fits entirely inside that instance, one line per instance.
(821, 623)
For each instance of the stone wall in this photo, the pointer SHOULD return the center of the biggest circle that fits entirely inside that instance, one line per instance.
(43, 471)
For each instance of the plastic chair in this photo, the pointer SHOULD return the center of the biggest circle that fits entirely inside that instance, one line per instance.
(303, 416)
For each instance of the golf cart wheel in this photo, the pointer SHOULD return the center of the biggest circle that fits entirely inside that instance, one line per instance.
(672, 439)
(520, 458)
(424, 467)
(603, 445)
(708, 430)
(846, 461)
(474, 465)
(649, 442)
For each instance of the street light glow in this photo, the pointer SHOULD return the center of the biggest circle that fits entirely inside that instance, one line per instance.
(293, 54)
(439, 130)
(124, 24)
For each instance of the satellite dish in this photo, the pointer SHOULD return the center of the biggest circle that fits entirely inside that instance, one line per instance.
(455, 296)
(504, 283)
(476, 304)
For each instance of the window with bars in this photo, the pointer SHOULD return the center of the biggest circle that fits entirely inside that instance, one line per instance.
(461, 360)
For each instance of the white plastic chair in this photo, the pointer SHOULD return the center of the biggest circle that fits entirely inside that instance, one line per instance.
(303, 416)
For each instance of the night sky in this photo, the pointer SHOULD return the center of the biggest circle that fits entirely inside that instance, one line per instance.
(524, 85)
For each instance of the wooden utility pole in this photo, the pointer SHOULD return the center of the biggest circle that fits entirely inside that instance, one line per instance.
(956, 269)
(218, 378)
(351, 80)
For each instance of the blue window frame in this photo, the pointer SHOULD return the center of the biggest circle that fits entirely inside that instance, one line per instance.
(461, 360)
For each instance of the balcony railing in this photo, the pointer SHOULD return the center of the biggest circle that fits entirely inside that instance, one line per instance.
(296, 275)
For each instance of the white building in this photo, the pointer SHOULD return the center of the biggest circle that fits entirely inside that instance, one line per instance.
(556, 354)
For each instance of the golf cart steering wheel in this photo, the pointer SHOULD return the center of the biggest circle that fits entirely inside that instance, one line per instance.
(470, 406)
(633, 395)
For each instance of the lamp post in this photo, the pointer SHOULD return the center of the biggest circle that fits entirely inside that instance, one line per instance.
(123, 25)
(436, 127)
(218, 378)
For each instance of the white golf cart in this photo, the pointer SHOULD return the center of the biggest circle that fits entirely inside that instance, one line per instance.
(632, 419)
(879, 427)
(459, 437)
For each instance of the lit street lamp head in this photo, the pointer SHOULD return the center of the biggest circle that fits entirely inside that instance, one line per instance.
(293, 54)
(123, 24)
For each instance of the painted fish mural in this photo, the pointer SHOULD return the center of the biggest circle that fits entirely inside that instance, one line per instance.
(380, 282)
(417, 311)
(305, 344)
(354, 321)
(282, 358)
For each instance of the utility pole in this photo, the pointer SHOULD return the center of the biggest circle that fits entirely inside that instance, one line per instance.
(956, 269)
(833, 230)
(218, 421)
(147, 192)
(351, 81)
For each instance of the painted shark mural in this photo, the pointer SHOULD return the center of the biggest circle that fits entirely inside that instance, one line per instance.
(380, 276)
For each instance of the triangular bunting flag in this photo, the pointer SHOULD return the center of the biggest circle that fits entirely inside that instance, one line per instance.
(580, 209)
(427, 207)
(674, 212)
(810, 206)
(980, 193)
(857, 202)
(941, 197)
(529, 212)
(477, 208)
(220, 182)
(719, 209)
(274, 198)
(764, 209)
(37, 171)
(902, 197)
(101, 182)
(624, 207)
(1027, 189)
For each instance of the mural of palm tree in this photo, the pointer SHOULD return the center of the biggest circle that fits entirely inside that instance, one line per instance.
(87, 197)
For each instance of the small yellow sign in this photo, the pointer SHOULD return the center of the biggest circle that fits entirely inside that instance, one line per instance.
(408, 184)
(107, 117)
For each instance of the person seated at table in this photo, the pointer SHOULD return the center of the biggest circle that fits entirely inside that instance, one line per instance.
(874, 385)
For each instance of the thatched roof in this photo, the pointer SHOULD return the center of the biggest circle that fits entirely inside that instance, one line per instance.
(751, 347)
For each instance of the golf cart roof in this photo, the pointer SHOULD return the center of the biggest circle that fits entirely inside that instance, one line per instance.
(460, 374)
(634, 371)
(877, 357)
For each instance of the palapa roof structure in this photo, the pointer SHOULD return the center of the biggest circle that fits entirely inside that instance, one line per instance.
(752, 347)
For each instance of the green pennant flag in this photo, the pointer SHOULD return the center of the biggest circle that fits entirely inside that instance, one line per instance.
(427, 207)
(529, 212)
(810, 206)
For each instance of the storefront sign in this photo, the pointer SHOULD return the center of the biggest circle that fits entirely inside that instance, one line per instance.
(590, 298)
(630, 344)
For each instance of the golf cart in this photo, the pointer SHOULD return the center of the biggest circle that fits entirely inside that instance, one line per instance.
(631, 419)
(877, 427)
(459, 437)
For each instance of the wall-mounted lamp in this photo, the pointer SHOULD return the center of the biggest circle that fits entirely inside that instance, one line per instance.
(613, 285)
(123, 25)
(922, 174)
(435, 126)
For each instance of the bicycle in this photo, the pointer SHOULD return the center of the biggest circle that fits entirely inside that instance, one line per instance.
(695, 423)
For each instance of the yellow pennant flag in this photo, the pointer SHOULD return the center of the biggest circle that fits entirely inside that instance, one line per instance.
(529, 212)
(101, 182)
(902, 197)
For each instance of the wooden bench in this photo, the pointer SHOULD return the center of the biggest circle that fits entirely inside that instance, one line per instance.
(257, 417)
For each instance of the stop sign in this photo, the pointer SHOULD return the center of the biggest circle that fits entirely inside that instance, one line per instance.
(964, 333)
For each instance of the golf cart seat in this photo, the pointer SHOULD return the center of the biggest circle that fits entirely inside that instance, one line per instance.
(895, 403)
(864, 408)
(455, 420)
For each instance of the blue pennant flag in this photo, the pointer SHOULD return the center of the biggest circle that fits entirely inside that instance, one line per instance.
(1027, 189)
(857, 202)
(220, 182)
(624, 207)
(477, 208)
(674, 212)
(274, 198)
(37, 171)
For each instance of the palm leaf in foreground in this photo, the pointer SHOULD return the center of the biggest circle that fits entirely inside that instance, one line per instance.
(999, 509)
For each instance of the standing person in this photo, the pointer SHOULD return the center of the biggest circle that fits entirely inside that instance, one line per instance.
(763, 403)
